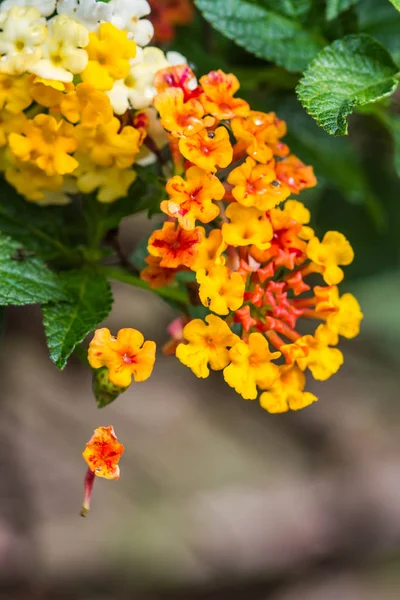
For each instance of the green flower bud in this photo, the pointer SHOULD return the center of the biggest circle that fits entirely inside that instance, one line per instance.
(105, 392)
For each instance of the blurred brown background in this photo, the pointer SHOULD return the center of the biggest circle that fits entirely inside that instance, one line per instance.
(217, 499)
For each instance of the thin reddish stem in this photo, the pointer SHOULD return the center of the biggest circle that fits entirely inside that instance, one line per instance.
(88, 483)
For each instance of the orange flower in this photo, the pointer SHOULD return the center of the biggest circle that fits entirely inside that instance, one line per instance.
(175, 246)
(192, 199)
(103, 452)
(208, 149)
(218, 99)
(256, 185)
(288, 247)
(295, 174)
(259, 133)
(179, 117)
(155, 275)
(181, 77)
(125, 356)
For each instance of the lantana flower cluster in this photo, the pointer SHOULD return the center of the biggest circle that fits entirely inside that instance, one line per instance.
(260, 268)
(69, 72)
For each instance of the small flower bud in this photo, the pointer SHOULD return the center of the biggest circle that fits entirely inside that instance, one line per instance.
(105, 392)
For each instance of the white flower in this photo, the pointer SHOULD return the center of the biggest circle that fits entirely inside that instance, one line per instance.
(127, 14)
(89, 13)
(45, 7)
(137, 89)
(63, 56)
(175, 58)
(23, 31)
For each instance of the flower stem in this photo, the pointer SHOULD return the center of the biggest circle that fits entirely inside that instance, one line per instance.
(89, 481)
(175, 294)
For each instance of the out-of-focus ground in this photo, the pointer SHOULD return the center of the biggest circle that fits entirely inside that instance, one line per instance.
(217, 499)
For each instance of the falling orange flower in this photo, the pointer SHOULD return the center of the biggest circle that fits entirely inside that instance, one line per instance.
(175, 246)
(103, 452)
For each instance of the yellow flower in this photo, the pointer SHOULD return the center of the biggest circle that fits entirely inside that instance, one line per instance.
(14, 93)
(63, 54)
(210, 250)
(346, 320)
(193, 199)
(86, 104)
(10, 123)
(48, 92)
(247, 226)
(256, 185)
(334, 250)
(109, 53)
(219, 290)
(207, 345)
(112, 183)
(315, 353)
(125, 356)
(23, 32)
(47, 143)
(251, 366)
(31, 182)
(208, 149)
(179, 117)
(287, 392)
(108, 144)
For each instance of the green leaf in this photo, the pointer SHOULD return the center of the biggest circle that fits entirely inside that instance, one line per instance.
(295, 9)
(263, 32)
(381, 21)
(395, 129)
(392, 124)
(336, 7)
(25, 279)
(40, 229)
(353, 71)
(68, 323)
(396, 3)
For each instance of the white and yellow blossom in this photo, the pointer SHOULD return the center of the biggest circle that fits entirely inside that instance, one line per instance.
(45, 7)
(22, 33)
(137, 89)
(89, 13)
(63, 51)
(127, 14)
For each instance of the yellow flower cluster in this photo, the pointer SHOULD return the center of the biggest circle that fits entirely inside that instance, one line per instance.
(70, 87)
